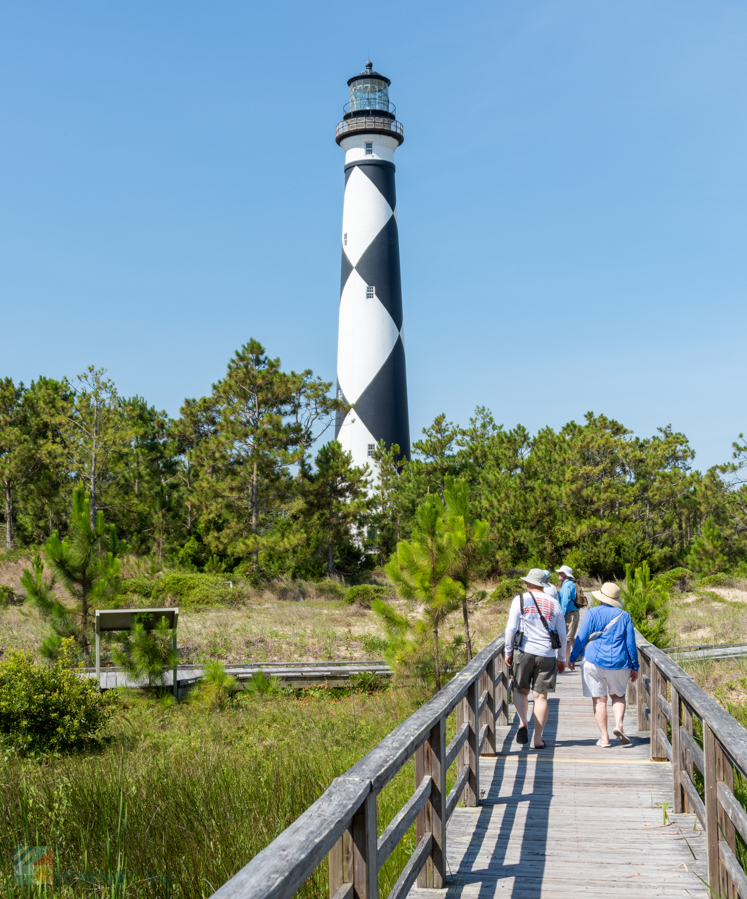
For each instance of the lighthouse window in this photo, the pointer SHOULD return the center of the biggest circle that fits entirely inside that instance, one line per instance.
(371, 448)
(369, 293)
(369, 149)
(345, 239)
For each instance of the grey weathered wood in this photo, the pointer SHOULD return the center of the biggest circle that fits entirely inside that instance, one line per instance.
(687, 731)
(434, 814)
(640, 717)
(282, 867)
(411, 870)
(472, 745)
(664, 744)
(345, 892)
(678, 802)
(692, 750)
(341, 863)
(733, 809)
(665, 707)
(711, 806)
(386, 759)
(456, 744)
(731, 734)
(694, 800)
(456, 791)
(403, 820)
(491, 711)
(481, 738)
(482, 703)
(726, 829)
(734, 869)
(502, 697)
(365, 850)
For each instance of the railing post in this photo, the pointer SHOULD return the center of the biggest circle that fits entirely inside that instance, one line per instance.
(341, 863)
(502, 691)
(641, 694)
(678, 793)
(711, 807)
(727, 831)
(365, 851)
(687, 723)
(656, 717)
(471, 749)
(430, 759)
(490, 744)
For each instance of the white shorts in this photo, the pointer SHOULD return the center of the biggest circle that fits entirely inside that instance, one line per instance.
(598, 682)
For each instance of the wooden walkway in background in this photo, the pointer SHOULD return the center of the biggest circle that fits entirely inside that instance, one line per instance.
(573, 820)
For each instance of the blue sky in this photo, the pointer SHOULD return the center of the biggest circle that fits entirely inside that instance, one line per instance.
(572, 199)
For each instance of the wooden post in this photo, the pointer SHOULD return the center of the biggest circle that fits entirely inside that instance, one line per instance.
(176, 680)
(502, 691)
(727, 831)
(341, 863)
(643, 724)
(687, 723)
(490, 716)
(365, 851)
(711, 807)
(429, 759)
(472, 750)
(678, 793)
(655, 717)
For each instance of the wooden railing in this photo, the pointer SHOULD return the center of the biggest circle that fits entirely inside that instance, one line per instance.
(341, 824)
(706, 747)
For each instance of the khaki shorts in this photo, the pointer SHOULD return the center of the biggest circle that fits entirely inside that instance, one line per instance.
(598, 682)
(571, 629)
(531, 672)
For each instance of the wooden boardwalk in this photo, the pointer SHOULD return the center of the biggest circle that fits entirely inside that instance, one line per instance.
(573, 820)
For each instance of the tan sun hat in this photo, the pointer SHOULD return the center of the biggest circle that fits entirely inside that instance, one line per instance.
(609, 595)
(536, 577)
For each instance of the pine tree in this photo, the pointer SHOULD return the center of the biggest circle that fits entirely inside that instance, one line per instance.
(706, 556)
(336, 498)
(147, 651)
(87, 564)
(647, 603)
(472, 537)
(421, 571)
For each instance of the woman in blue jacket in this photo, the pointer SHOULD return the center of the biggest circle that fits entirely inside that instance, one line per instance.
(610, 659)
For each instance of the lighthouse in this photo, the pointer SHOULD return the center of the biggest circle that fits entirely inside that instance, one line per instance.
(371, 375)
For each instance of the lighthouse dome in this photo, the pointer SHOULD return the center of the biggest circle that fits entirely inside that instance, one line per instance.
(369, 90)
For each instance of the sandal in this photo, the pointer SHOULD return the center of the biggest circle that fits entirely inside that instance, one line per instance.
(603, 745)
(624, 740)
(543, 746)
(522, 736)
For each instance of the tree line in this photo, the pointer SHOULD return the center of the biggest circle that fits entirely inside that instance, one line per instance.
(249, 479)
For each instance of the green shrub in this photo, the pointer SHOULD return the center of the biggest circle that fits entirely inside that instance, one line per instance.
(681, 579)
(217, 687)
(332, 589)
(372, 643)
(147, 651)
(717, 580)
(185, 590)
(364, 594)
(507, 589)
(46, 709)
(647, 603)
(7, 595)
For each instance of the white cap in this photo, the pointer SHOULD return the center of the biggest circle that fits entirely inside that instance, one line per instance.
(566, 570)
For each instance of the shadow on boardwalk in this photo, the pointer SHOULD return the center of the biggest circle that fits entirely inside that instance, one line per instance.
(572, 820)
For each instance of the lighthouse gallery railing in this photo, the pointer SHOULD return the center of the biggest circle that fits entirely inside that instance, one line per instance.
(369, 123)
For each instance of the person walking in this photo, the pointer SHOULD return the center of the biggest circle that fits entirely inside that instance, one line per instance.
(607, 639)
(567, 599)
(549, 587)
(535, 652)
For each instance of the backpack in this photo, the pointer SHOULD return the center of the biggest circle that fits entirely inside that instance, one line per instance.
(581, 601)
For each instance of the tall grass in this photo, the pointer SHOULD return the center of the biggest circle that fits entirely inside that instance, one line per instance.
(181, 797)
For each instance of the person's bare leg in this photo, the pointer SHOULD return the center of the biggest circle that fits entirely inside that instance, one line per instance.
(600, 713)
(540, 716)
(618, 708)
(521, 704)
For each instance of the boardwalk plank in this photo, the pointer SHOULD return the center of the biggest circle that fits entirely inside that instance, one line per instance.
(572, 820)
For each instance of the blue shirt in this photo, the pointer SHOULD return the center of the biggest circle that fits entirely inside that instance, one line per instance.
(615, 649)
(567, 596)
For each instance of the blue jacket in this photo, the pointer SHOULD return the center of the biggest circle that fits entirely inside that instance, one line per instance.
(567, 596)
(615, 648)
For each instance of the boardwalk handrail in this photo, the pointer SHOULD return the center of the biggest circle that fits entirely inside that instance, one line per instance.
(342, 822)
(668, 700)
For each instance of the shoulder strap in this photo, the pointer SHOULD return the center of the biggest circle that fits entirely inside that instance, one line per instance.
(542, 617)
(597, 634)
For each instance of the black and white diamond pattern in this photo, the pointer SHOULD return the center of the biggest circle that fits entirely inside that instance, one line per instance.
(371, 355)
